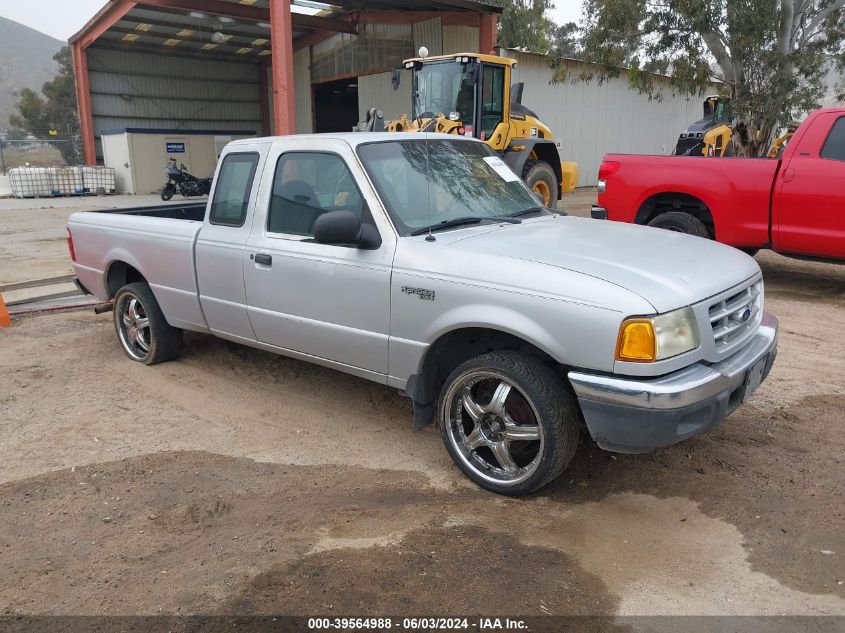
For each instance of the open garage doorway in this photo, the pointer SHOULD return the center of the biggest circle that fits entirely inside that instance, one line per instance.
(336, 105)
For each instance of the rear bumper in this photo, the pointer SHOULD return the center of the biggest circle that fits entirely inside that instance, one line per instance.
(598, 213)
(80, 287)
(636, 416)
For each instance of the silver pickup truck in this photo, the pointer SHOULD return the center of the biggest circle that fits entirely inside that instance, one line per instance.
(424, 263)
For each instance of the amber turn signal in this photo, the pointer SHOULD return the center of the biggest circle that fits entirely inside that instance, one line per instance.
(636, 342)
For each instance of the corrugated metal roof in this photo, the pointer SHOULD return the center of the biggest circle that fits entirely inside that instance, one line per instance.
(483, 6)
(245, 36)
(475, 6)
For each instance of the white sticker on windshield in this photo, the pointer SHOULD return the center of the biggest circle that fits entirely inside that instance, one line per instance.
(501, 168)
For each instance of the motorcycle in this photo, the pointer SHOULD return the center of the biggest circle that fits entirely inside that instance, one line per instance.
(180, 181)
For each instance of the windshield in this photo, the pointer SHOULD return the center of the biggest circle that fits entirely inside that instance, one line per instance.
(467, 180)
(442, 89)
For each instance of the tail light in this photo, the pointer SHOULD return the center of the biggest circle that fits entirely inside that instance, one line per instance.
(608, 168)
(70, 246)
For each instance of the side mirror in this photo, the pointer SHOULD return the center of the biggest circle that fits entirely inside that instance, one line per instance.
(516, 92)
(343, 228)
(396, 78)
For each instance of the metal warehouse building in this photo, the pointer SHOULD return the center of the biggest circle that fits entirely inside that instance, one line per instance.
(220, 69)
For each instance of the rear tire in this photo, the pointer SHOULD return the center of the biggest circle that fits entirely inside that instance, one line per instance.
(508, 422)
(541, 179)
(142, 330)
(680, 222)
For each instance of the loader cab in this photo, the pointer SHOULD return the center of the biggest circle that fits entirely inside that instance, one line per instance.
(716, 109)
(470, 90)
(712, 129)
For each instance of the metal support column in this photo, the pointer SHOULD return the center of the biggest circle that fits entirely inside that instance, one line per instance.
(487, 34)
(83, 99)
(281, 34)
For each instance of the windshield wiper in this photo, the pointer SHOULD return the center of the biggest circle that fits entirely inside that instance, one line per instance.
(469, 219)
(529, 211)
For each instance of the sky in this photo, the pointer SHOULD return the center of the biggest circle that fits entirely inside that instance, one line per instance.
(63, 18)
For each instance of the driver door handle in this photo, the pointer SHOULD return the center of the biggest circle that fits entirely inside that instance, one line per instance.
(264, 259)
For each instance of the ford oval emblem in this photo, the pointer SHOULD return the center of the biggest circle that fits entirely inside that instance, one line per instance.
(746, 314)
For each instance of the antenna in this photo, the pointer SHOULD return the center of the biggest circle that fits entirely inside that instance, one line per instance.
(430, 237)
(423, 52)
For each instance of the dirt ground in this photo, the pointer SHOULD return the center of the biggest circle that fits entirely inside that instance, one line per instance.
(233, 481)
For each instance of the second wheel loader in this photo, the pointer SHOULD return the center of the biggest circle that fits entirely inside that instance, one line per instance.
(713, 135)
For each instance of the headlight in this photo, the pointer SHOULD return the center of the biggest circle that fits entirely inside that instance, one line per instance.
(647, 339)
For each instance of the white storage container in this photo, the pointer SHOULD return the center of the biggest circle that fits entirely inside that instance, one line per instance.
(32, 182)
(98, 179)
(67, 181)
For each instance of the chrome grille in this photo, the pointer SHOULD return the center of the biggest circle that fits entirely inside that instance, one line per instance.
(736, 316)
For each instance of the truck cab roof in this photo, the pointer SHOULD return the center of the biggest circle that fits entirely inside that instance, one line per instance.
(353, 139)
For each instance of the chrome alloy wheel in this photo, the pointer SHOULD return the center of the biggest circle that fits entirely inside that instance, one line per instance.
(493, 427)
(133, 326)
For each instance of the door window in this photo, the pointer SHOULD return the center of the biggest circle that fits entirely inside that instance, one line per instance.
(231, 194)
(492, 99)
(307, 185)
(834, 146)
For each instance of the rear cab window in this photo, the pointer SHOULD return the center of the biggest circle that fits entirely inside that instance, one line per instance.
(233, 188)
(834, 146)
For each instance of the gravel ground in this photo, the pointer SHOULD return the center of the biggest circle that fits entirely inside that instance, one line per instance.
(233, 481)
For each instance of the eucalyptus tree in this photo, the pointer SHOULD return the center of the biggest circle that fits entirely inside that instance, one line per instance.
(769, 56)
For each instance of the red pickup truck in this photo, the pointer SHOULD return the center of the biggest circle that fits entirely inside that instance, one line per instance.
(794, 204)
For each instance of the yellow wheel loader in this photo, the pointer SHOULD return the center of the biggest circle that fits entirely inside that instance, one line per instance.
(712, 135)
(470, 94)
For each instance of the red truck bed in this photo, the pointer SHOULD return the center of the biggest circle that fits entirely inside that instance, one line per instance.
(795, 205)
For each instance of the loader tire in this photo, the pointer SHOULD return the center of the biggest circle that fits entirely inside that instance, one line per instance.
(541, 179)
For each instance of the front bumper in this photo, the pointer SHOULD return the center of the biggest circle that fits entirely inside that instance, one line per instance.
(638, 415)
(598, 213)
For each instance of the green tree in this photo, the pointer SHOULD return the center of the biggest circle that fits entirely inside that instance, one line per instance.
(53, 109)
(566, 43)
(770, 55)
(524, 24)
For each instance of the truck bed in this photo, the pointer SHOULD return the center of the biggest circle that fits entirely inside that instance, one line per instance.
(194, 211)
(736, 191)
(157, 241)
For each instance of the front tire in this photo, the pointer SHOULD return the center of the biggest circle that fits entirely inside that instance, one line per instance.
(508, 422)
(680, 222)
(142, 330)
(167, 192)
(541, 179)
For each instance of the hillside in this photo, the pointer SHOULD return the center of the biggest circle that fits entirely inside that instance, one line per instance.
(26, 62)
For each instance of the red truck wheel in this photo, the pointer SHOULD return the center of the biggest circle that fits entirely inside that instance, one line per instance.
(680, 222)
